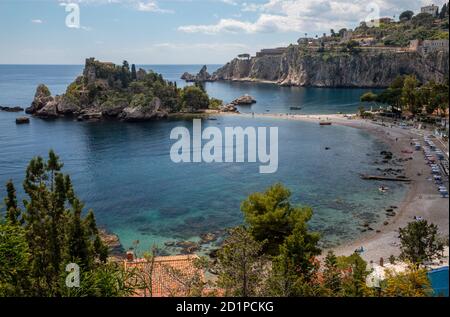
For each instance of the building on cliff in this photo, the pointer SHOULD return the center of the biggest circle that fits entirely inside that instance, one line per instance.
(431, 9)
(244, 56)
(271, 51)
(428, 46)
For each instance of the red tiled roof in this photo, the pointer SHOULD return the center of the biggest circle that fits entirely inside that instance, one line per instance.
(170, 274)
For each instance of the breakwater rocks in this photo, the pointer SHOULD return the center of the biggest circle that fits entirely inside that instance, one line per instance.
(206, 242)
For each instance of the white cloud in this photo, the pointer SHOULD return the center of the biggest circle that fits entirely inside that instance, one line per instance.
(305, 16)
(151, 6)
(37, 21)
(206, 46)
(140, 5)
(230, 2)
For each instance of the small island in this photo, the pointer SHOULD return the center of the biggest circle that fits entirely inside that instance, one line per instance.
(109, 91)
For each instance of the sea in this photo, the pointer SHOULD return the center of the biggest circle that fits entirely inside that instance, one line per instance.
(124, 173)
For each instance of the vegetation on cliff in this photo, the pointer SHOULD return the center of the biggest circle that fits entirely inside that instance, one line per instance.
(116, 91)
(369, 56)
(422, 26)
(406, 93)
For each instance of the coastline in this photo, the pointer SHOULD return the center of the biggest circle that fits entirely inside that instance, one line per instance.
(421, 198)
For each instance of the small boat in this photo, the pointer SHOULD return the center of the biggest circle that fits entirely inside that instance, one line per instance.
(325, 123)
(383, 189)
(295, 108)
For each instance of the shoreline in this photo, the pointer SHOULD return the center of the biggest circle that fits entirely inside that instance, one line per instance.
(421, 198)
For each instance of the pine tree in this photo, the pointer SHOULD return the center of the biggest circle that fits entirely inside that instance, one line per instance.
(332, 274)
(133, 72)
(55, 230)
(239, 264)
(12, 210)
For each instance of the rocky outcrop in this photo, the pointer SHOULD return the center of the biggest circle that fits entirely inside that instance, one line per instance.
(145, 112)
(22, 120)
(50, 109)
(368, 68)
(108, 91)
(228, 108)
(111, 240)
(201, 76)
(11, 109)
(41, 98)
(244, 100)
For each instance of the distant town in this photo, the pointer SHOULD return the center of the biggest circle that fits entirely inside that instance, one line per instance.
(375, 35)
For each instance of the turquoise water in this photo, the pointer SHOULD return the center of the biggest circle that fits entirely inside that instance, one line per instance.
(124, 172)
(18, 84)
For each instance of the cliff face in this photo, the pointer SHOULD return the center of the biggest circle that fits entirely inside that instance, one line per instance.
(336, 69)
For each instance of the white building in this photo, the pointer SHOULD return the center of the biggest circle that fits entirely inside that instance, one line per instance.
(432, 9)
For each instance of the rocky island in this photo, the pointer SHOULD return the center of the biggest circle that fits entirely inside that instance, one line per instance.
(109, 91)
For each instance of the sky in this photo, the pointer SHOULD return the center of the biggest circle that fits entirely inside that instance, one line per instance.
(172, 31)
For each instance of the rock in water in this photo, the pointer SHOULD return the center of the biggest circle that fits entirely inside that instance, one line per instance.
(244, 100)
(22, 120)
(41, 97)
(50, 110)
(112, 241)
(201, 76)
(11, 109)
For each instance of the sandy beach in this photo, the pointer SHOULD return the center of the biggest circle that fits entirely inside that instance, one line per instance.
(421, 200)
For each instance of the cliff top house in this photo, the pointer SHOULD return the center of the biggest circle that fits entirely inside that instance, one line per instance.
(427, 46)
(169, 274)
(271, 51)
(384, 20)
(244, 56)
(431, 9)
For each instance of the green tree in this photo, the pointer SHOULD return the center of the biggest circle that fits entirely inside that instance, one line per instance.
(406, 15)
(55, 232)
(295, 268)
(215, 103)
(332, 274)
(411, 283)
(444, 11)
(193, 98)
(354, 283)
(419, 242)
(125, 76)
(369, 97)
(423, 20)
(12, 210)
(410, 98)
(239, 265)
(14, 261)
(272, 218)
(133, 72)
